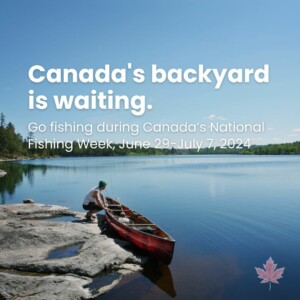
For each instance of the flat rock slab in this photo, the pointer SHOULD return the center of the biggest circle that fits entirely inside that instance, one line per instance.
(34, 211)
(43, 287)
(27, 241)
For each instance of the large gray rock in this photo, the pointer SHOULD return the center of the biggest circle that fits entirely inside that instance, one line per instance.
(45, 287)
(2, 173)
(27, 241)
(34, 211)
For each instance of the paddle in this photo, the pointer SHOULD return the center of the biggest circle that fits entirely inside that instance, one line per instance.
(123, 213)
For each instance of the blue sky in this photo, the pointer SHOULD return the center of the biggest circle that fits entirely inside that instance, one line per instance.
(171, 34)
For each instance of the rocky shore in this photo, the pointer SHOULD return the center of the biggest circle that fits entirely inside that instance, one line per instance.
(45, 259)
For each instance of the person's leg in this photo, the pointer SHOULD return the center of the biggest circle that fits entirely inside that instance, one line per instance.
(93, 213)
(89, 214)
(92, 210)
(89, 210)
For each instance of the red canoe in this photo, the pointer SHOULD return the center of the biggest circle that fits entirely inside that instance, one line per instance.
(143, 233)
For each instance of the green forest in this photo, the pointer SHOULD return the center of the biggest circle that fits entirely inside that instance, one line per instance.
(14, 146)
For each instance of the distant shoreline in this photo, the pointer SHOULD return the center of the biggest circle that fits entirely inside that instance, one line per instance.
(271, 149)
(16, 148)
(3, 160)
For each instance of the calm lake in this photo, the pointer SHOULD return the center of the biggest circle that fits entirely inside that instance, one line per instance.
(228, 215)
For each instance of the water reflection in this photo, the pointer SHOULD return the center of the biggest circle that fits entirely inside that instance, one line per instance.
(154, 270)
(17, 172)
(64, 252)
(154, 282)
(15, 175)
(160, 275)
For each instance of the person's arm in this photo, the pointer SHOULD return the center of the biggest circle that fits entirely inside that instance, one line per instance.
(103, 199)
(98, 196)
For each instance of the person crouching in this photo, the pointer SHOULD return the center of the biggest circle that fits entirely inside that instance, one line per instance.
(94, 201)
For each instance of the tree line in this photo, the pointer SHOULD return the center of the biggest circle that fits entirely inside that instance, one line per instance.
(271, 149)
(12, 145)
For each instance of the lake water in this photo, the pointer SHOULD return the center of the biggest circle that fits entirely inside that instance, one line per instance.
(228, 215)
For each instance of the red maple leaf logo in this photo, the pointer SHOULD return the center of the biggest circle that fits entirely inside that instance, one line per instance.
(269, 274)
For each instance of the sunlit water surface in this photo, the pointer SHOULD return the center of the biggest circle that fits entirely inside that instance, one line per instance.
(228, 215)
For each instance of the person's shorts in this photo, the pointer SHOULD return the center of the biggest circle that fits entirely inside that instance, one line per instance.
(92, 206)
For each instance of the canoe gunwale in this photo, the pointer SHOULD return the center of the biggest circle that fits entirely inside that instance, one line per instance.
(128, 226)
(156, 245)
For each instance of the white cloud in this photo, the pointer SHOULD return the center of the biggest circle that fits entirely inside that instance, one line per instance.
(215, 117)
(296, 130)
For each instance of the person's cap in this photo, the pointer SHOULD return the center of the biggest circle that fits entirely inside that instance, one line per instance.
(102, 183)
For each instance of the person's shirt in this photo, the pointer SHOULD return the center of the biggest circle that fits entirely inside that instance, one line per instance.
(91, 196)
